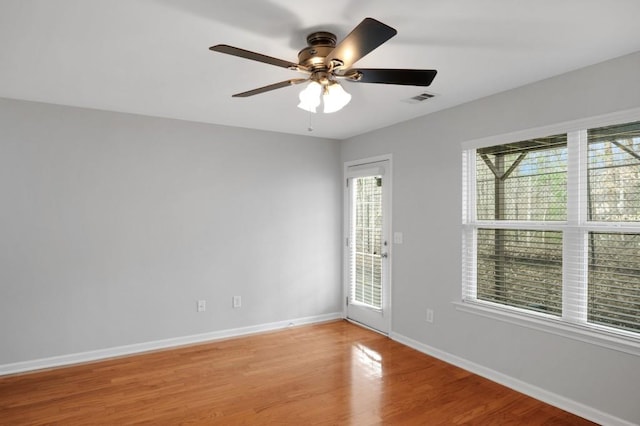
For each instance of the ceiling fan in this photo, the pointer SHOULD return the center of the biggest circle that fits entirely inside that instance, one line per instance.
(326, 62)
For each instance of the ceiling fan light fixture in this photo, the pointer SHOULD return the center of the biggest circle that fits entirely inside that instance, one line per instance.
(335, 98)
(310, 97)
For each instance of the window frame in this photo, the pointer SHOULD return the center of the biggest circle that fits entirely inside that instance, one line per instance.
(573, 322)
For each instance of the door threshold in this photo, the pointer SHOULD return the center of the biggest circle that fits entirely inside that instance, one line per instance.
(354, 322)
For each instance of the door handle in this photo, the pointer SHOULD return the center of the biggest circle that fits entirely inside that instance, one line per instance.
(384, 255)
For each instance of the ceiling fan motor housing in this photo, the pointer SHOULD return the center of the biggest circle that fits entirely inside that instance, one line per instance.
(320, 44)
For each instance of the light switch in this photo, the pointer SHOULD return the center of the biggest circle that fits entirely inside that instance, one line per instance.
(397, 237)
(237, 301)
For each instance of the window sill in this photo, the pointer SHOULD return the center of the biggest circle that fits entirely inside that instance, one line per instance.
(617, 342)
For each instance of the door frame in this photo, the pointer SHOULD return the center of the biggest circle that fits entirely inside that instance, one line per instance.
(387, 199)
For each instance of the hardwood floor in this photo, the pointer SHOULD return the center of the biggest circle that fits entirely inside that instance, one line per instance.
(334, 373)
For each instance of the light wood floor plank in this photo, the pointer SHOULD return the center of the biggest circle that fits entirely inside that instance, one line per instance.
(334, 373)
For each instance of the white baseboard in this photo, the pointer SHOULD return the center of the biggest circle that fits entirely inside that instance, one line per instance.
(76, 358)
(551, 398)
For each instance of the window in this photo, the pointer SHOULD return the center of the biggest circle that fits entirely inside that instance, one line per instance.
(520, 268)
(367, 237)
(551, 228)
(613, 190)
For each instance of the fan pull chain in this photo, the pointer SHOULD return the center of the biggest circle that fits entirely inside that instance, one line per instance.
(310, 128)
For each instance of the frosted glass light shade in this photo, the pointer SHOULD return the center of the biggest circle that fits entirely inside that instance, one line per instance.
(310, 97)
(335, 98)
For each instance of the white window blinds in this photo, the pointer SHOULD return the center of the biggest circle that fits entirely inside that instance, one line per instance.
(520, 268)
(614, 173)
(552, 227)
(523, 181)
(613, 192)
(366, 241)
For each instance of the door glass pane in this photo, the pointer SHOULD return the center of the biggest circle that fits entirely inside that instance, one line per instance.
(367, 242)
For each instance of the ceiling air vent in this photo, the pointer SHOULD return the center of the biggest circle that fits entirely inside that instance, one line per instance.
(420, 98)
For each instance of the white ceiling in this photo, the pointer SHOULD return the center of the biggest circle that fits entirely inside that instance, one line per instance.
(151, 57)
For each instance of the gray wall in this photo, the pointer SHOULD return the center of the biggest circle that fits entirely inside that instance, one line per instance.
(427, 206)
(113, 225)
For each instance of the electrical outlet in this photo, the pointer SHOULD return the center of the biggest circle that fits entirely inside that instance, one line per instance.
(202, 305)
(430, 315)
(237, 301)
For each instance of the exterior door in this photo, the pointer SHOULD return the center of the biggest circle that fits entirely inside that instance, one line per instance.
(367, 254)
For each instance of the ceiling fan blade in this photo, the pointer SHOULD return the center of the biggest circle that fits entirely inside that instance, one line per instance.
(392, 76)
(367, 36)
(270, 87)
(247, 54)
